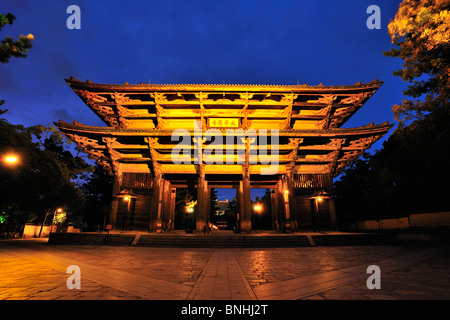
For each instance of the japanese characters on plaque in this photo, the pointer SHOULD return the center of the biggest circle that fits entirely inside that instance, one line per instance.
(224, 122)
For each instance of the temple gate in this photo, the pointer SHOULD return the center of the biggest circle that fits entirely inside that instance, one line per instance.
(287, 138)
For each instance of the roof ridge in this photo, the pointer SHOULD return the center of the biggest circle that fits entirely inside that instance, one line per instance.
(359, 84)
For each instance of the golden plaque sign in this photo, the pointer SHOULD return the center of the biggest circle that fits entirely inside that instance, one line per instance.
(224, 122)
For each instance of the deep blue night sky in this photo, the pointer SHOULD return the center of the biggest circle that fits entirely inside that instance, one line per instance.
(245, 42)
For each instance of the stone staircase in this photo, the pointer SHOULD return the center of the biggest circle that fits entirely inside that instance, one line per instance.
(223, 241)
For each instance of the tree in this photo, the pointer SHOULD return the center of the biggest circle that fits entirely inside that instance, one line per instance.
(421, 30)
(97, 190)
(262, 218)
(12, 48)
(212, 205)
(410, 173)
(183, 218)
(38, 182)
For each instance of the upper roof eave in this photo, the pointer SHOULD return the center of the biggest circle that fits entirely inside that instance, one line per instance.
(77, 84)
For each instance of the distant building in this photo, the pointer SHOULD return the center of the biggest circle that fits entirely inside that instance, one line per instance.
(220, 219)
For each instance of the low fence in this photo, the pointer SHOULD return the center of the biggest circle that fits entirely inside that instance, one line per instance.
(31, 230)
(413, 221)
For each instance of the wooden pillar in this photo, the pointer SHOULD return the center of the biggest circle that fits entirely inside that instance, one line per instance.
(240, 204)
(208, 205)
(173, 193)
(246, 220)
(115, 201)
(280, 204)
(291, 203)
(155, 214)
(274, 206)
(202, 198)
(333, 216)
(165, 205)
(285, 210)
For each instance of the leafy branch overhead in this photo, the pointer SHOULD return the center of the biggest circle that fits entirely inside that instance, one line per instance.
(10, 47)
(421, 30)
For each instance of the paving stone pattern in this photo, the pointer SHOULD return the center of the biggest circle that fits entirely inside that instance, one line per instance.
(32, 269)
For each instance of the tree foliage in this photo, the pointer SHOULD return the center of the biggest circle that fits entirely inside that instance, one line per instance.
(50, 172)
(97, 191)
(421, 30)
(10, 47)
(42, 178)
(410, 173)
(262, 219)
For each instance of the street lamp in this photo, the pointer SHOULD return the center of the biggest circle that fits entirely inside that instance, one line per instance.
(318, 196)
(126, 195)
(10, 159)
(59, 210)
(189, 209)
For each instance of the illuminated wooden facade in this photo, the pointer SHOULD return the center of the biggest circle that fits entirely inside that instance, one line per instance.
(302, 123)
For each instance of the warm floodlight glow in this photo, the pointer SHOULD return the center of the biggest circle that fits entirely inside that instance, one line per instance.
(319, 198)
(59, 210)
(11, 159)
(126, 198)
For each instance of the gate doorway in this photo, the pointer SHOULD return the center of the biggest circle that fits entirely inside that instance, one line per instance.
(185, 213)
(224, 206)
(261, 209)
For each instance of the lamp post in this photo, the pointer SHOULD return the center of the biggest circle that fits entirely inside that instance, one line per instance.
(10, 159)
(318, 197)
(126, 195)
(53, 220)
(189, 209)
(59, 210)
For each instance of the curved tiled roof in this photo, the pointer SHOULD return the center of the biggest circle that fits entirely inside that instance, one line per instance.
(238, 87)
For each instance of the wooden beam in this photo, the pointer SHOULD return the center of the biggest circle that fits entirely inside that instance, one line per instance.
(245, 97)
(156, 167)
(287, 112)
(294, 144)
(200, 96)
(160, 112)
(335, 157)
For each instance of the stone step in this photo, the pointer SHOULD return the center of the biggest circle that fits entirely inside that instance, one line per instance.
(223, 241)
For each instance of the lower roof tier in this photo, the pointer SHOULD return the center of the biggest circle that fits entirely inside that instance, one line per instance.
(224, 151)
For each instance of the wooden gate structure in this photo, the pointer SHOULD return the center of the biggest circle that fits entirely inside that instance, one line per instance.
(159, 137)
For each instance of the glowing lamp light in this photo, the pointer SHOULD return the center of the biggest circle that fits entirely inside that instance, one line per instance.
(126, 198)
(11, 159)
(319, 199)
(59, 210)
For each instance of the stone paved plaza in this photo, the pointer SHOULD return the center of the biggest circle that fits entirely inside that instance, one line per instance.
(32, 269)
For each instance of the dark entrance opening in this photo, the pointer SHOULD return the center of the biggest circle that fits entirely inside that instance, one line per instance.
(185, 213)
(224, 206)
(261, 209)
